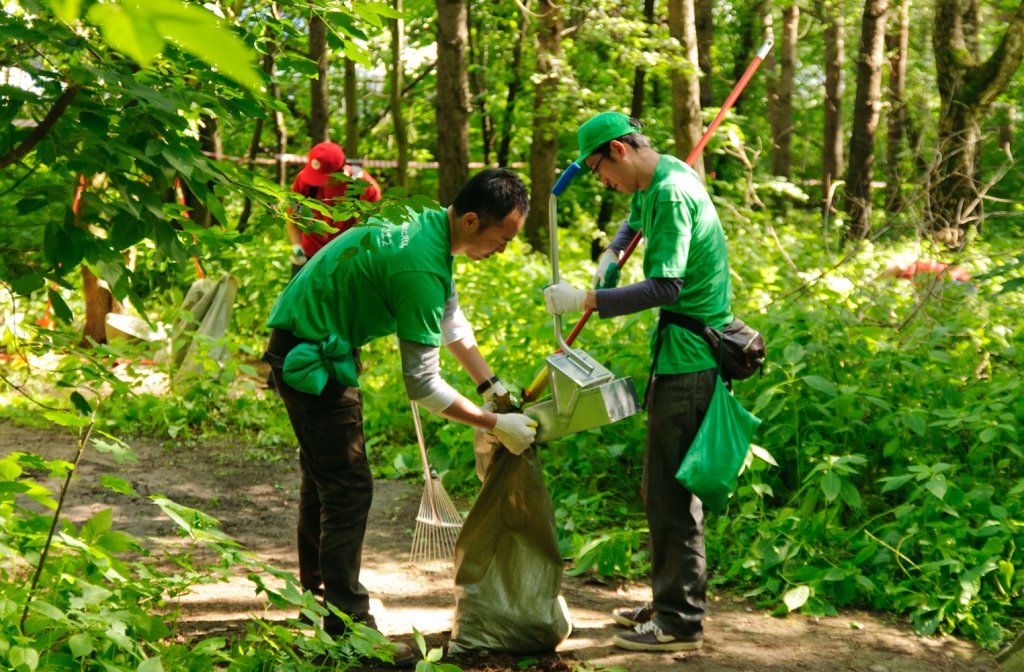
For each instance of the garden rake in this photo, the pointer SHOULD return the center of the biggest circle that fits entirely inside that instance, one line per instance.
(438, 522)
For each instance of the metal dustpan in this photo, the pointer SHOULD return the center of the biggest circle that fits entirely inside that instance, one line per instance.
(584, 394)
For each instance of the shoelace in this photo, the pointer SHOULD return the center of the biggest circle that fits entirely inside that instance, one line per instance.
(649, 628)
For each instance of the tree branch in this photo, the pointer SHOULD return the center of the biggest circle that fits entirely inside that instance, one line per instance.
(40, 131)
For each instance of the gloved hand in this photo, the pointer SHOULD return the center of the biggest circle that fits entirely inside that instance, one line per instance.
(564, 298)
(298, 257)
(607, 273)
(515, 431)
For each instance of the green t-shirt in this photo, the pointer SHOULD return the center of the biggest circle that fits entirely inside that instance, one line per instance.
(684, 239)
(373, 280)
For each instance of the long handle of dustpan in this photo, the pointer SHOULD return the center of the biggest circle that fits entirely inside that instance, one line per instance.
(541, 381)
(423, 456)
(559, 187)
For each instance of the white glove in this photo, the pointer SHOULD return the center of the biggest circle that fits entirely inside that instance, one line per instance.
(607, 273)
(515, 431)
(564, 298)
(298, 256)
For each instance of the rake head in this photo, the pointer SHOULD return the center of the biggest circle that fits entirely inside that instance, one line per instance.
(437, 527)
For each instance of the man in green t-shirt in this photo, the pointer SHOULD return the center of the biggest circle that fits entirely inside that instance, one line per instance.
(686, 271)
(382, 278)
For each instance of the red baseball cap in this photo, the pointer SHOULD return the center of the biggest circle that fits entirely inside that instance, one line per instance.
(324, 159)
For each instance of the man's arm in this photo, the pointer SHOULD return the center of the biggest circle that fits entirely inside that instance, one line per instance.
(457, 335)
(421, 373)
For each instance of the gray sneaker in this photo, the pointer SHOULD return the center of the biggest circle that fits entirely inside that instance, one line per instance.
(649, 637)
(631, 617)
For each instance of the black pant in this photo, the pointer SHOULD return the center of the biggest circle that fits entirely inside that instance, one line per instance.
(336, 488)
(675, 517)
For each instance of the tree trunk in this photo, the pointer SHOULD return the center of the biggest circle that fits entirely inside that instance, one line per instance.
(896, 42)
(513, 92)
(478, 101)
(210, 141)
(865, 118)
(686, 122)
(637, 104)
(751, 34)
(98, 302)
(452, 99)
(832, 144)
(766, 19)
(544, 147)
(705, 41)
(967, 89)
(350, 94)
(268, 65)
(319, 101)
(782, 121)
(397, 82)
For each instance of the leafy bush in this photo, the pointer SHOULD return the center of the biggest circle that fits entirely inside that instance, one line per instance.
(91, 596)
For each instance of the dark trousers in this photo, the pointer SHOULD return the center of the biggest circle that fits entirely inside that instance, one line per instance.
(336, 488)
(675, 517)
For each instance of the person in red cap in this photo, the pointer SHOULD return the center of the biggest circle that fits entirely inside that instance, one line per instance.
(318, 180)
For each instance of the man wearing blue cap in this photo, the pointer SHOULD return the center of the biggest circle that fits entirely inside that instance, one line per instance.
(686, 271)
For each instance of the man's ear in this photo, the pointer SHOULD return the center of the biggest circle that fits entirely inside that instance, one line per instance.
(470, 222)
(617, 148)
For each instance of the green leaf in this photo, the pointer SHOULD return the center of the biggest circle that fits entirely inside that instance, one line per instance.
(118, 485)
(831, 484)
(80, 403)
(821, 385)
(1011, 285)
(199, 32)
(65, 419)
(15, 487)
(917, 424)
(895, 482)
(80, 645)
(763, 454)
(23, 658)
(299, 64)
(938, 487)
(67, 11)
(60, 309)
(127, 32)
(48, 610)
(27, 206)
(97, 525)
(151, 665)
(794, 353)
(28, 283)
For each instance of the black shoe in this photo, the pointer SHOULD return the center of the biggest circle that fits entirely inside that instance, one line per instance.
(649, 637)
(631, 617)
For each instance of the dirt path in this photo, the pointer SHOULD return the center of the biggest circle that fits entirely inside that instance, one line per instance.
(256, 504)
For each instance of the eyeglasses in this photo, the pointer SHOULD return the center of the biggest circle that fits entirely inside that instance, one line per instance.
(598, 164)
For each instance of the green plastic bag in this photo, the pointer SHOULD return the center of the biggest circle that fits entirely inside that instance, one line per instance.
(508, 567)
(713, 463)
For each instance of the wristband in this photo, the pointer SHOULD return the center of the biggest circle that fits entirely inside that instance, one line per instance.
(486, 385)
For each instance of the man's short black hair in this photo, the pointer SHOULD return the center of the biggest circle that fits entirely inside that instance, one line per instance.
(492, 194)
